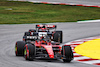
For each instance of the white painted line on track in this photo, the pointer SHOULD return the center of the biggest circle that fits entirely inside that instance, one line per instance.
(89, 21)
(91, 62)
(79, 58)
(76, 54)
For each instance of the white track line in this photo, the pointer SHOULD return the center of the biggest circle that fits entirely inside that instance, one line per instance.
(88, 21)
(79, 58)
(91, 62)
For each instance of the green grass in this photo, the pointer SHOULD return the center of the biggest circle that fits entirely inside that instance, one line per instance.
(25, 12)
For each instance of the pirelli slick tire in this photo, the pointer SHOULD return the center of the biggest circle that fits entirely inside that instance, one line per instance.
(58, 36)
(67, 52)
(29, 52)
(19, 48)
(27, 34)
(32, 30)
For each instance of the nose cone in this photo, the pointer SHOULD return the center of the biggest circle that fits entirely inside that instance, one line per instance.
(49, 50)
(51, 56)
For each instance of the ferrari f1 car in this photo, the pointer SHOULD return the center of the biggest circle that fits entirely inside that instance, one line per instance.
(43, 47)
(49, 30)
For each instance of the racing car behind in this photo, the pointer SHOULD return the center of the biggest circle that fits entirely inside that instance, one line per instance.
(49, 30)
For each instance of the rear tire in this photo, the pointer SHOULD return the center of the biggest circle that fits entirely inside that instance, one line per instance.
(29, 52)
(67, 51)
(19, 48)
(58, 36)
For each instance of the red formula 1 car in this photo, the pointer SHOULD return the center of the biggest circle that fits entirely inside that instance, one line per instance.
(42, 46)
(49, 30)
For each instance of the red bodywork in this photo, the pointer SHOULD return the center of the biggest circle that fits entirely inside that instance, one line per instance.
(47, 26)
(48, 46)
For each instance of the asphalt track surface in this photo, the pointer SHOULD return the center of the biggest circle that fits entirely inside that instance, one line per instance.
(84, 2)
(9, 34)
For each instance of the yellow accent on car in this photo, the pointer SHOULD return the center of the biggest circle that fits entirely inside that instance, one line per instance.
(25, 52)
(15, 48)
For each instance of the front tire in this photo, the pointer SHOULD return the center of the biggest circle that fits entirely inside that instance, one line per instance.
(29, 52)
(19, 48)
(67, 52)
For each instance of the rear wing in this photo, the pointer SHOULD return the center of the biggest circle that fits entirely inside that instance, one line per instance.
(46, 26)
